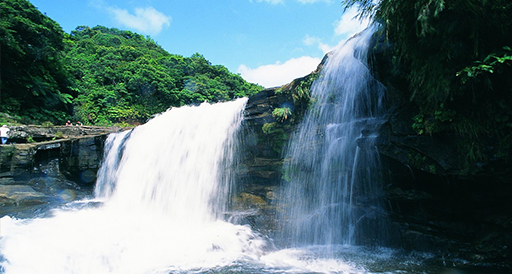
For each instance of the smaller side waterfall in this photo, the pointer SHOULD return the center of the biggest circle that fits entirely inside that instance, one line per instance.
(107, 177)
(332, 193)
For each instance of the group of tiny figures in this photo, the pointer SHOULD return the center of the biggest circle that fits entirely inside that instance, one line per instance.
(4, 131)
(68, 123)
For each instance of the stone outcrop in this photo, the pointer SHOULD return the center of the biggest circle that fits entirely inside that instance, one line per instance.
(38, 173)
(32, 133)
(263, 142)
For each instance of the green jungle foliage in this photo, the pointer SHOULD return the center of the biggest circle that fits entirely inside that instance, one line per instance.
(122, 76)
(298, 92)
(281, 114)
(456, 59)
(33, 82)
(99, 75)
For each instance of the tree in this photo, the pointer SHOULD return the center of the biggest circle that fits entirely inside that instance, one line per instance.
(34, 83)
(435, 39)
(99, 75)
(455, 58)
(131, 78)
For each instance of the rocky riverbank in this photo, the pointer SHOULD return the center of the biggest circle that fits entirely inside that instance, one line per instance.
(47, 165)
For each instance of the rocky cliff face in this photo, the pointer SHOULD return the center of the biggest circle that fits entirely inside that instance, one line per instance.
(263, 140)
(441, 200)
(437, 201)
(48, 172)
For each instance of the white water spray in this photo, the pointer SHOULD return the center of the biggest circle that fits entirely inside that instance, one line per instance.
(107, 174)
(190, 179)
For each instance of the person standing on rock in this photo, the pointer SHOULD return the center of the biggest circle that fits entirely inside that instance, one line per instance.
(4, 130)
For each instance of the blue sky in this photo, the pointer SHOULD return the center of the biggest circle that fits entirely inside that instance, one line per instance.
(269, 42)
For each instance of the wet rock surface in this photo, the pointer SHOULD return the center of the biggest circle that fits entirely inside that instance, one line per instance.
(40, 174)
(441, 201)
(15, 195)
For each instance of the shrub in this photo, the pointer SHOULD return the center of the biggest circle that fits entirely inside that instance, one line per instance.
(281, 114)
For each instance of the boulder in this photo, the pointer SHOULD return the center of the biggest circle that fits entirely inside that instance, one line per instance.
(21, 195)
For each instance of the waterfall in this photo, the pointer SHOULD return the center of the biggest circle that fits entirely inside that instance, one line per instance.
(332, 193)
(179, 163)
(106, 178)
(161, 198)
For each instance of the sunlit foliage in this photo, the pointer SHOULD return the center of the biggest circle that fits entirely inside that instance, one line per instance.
(99, 75)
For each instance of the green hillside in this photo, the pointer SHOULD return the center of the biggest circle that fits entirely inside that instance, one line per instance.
(98, 75)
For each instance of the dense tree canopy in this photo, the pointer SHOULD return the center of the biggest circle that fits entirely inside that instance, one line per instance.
(456, 60)
(98, 75)
(33, 80)
(122, 76)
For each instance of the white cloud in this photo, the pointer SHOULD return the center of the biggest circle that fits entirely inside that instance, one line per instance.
(315, 41)
(146, 20)
(325, 48)
(279, 74)
(310, 40)
(349, 25)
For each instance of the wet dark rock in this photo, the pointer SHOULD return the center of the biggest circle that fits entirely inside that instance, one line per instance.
(256, 209)
(441, 201)
(21, 195)
(262, 149)
(72, 152)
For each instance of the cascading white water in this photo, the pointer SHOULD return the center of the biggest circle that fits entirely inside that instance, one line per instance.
(332, 194)
(191, 178)
(163, 204)
(107, 174)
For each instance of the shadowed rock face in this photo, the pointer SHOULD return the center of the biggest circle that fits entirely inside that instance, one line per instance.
(440, 200)
(72, 152)
(261, 160)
